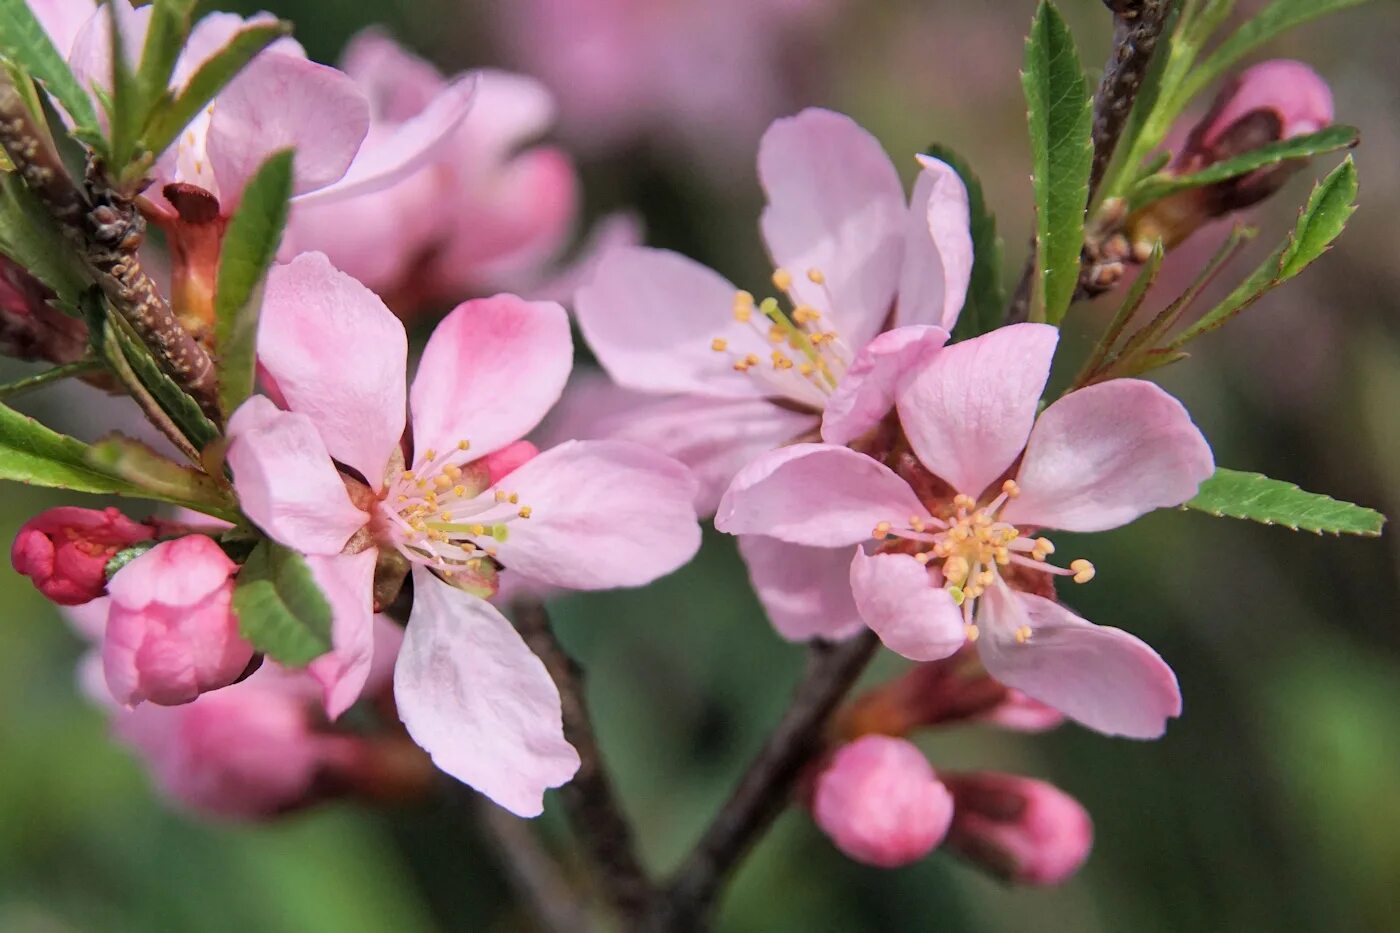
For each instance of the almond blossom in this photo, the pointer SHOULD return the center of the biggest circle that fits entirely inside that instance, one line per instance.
(946, 550)
(326, 474)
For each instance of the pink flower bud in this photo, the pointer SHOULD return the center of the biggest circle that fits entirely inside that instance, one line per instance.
(171, 631)
(1022, 830)
(65, 550)
(30, 328)
(881, 803)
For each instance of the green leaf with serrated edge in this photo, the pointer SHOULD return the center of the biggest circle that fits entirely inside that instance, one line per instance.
(986, 292)
(1232, 494)
(169, 120)
(173, 400)
(126, 556)
(126, 109)
(249, 247)
(1156, 187)
(280, 609)
(1276, 18)
(1060, 120)
(33, 454)
(165, 38)
(161, 478)
(29, 237)
(23, 40)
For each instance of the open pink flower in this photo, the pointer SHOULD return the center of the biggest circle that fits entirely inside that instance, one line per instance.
(583, 515)
(955, 557)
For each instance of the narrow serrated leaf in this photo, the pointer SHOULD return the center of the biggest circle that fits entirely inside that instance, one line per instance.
(31, 453)
(249, 247)
(1060, 119)
(1253, 496)
(1331, 204)
(280, 609)
(23, 41)
(986, 292)
(170, 26)
(173, 400)
(161, 478)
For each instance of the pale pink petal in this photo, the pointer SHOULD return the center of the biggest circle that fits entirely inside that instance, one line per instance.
(612, 231)
(398, 83)
(900, 602)
(937, 248)
(867, 391)
(1101, 456)
(214, 32)
(90, 54)
(347, 581)
(62, 19)
(490, 372)
(806, 591)
(602, 514)
(835, 204)
(968, 410)
(820, 495)
(282, 102)
(286, 481)
(1101, 677)
(339, 357)
(650, 316)
(474, 697)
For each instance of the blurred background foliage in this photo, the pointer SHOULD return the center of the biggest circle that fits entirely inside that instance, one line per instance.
(1270, 806)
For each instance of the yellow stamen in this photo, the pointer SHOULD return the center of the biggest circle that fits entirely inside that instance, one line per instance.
(782, 279)
(1083, 570)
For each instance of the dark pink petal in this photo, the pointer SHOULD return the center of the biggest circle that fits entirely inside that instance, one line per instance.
(867, 391)
(602, 514)
(339, 357)
(968, 410)
(912, 615)
(490, 372)
(820, 495)
(1101, 456)
(1101, 677)
(805, 590)
(937, 249)
(347, 581)
(477, 699)
(835, 203)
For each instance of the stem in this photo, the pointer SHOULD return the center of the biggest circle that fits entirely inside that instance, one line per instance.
(594, 811)
(767, 784)
(532, 871)
(57, 374)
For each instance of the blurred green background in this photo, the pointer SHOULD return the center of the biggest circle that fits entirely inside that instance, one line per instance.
(1270, 806)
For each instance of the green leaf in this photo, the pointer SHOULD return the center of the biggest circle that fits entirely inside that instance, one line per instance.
(165, 38)
(23, 41)
(126, 108)
(281, 610)
(173, 400)
(162, 478)
(126, 556)
(168, 121)
(50, 376)
(1232, 494)
(986, 292)
(29, 237)
(33, 454)
(1156, 187)
(249, 247)
(1060, 117)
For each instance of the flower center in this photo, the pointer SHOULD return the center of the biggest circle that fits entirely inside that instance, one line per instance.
(802, 360)
(972, 547)
(443, 514)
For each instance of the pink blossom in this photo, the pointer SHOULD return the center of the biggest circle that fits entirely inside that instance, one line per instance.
(958, 559)
(880, 802)
(171, 631)
(65, 551)
(582, 515)
(1022, 830)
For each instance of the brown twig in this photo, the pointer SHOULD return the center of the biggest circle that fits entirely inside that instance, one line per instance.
(766, 787)
(532, 871)
(589, 799)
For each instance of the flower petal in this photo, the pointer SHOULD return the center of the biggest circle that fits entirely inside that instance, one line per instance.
(867, 391)
(491, 370)
(1101, 677)
(477, 699)
(912, 615)
(1104, 455)
(63, 19)
(339, 357)
(281, 102)
(347, 580)
(820, 495)
(937, 248)
(835, 203)
(651, 315)
(285, 480)
(805, 590)
(603, 514)
(968, 409)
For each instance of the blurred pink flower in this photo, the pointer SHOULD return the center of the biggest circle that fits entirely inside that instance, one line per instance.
(171, 631)
(880, 802)
(584, 515)
(1022, 830)
(65, 551)
(956, 561)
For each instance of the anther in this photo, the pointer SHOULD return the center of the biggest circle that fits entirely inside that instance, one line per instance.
(464, 445)
(782, 279)
(816, 276)
(971, 631)
(525, 511)
(1083, 570)
(1023, 634)
(882, 529)
(1011, 489)
(719, 344)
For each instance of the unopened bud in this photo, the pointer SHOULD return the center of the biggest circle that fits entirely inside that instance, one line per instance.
(65, 551)
(1022, 830)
